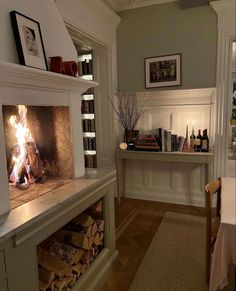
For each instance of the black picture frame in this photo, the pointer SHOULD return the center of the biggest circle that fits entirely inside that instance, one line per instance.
(163, 71)
(29, 41)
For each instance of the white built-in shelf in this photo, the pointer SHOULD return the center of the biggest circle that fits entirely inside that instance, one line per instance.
(89, 134)
(88, 97)
(88, 115)
(87, 77)
(90, 152)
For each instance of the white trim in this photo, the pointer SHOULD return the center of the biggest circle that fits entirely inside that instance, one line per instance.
(168, 197)
(116, 6)
(202, 96)
(21, 76)
(225, 10)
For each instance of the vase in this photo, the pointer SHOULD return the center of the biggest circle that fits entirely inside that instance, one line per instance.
(130, 137)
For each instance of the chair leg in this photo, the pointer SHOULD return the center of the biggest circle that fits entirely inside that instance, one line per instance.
(208, 267)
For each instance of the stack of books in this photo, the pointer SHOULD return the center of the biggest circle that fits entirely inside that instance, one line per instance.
(147, 142)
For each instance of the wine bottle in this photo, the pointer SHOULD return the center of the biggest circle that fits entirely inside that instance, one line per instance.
(192, 141)
(205, 141)
(198, 141)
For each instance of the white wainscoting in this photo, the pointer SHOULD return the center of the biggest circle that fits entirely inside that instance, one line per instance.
(169, 182)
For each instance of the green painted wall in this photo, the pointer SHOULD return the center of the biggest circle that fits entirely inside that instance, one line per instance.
(166, 29)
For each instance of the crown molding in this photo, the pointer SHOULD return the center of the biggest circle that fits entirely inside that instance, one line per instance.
(225, 10)
(132, 4)
(223, 6)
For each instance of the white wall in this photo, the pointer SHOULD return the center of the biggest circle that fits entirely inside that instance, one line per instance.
(56, 38)
(92, 17)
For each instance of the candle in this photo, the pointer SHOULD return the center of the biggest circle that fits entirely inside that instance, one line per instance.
(187, 131)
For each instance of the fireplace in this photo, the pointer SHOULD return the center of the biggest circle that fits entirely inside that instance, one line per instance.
(38, 150)
(54, 143)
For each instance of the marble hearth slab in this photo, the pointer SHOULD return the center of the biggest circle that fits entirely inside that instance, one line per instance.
(32, 212)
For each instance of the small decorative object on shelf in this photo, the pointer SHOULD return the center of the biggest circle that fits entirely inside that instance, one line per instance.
(192, 140)
(199, 141)
(205, 141)
(123, 146)
(85, 65)
(66, 68)
(233, 116)
(186, 143)
(128, 113)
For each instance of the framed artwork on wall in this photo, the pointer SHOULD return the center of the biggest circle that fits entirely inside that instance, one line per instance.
(29, 42)
(163, 71)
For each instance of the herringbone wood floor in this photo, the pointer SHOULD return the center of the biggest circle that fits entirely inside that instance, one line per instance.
(136, 223)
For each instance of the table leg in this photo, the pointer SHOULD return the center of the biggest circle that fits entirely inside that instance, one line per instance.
(124, 178)
(119, 179)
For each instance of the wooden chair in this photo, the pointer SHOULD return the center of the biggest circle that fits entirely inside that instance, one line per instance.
(213, 220)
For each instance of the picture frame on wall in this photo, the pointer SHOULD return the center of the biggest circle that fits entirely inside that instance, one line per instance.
(29, 42)
(163, 71)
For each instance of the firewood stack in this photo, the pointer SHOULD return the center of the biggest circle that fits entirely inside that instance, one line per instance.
(64, 256)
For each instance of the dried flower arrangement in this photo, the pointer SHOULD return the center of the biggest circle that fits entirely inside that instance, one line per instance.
(127, 109)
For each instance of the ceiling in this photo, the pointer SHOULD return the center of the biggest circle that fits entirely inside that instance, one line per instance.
(118, 5)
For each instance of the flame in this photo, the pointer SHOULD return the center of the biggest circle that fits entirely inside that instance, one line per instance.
(23, 136)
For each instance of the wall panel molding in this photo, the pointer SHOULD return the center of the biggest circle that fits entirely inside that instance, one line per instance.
(169, 182)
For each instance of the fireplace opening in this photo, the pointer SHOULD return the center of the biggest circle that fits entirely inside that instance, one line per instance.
(38, 150)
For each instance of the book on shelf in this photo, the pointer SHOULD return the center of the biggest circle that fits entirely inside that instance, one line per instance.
(160, 134)
(174, 143)
(87, 106)
(181, 143)
(148, 142)
(89, 143)
(148, 147)
(90, 161)
(167, 140)
(88, 125)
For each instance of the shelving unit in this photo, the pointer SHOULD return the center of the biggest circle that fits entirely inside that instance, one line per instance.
(85, 64)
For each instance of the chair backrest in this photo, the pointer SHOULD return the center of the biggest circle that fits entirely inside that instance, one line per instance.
(211, 189)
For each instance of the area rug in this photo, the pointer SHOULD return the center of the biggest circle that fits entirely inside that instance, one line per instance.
(175, 260)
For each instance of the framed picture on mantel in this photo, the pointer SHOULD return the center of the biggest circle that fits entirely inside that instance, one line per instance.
(163, 71)
(29, 42)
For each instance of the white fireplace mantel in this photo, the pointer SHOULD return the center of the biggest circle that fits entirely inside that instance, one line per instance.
(29, 86)
(17, 75)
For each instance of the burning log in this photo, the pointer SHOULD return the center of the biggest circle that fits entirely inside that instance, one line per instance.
(34, 161)
(27, 167)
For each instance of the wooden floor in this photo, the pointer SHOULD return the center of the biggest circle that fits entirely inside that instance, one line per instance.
(136, 223)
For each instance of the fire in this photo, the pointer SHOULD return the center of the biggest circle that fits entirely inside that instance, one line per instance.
(25, 153)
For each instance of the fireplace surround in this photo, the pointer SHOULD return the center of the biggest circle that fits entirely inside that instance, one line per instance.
(47, 92)
(25, 227)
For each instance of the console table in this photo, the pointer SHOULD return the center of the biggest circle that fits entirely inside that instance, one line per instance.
(205, 159)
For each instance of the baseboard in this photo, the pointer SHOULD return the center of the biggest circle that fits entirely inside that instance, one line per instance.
(168, 197)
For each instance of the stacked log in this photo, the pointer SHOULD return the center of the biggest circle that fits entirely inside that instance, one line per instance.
(64, 256)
